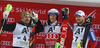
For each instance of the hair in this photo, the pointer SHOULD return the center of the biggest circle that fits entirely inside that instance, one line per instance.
(24, 13)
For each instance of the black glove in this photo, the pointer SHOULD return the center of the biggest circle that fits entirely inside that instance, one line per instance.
(89, 20)
(65, 12)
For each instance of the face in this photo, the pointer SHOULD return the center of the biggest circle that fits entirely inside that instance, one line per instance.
(53, 18)
(26, 19)
(80, 19)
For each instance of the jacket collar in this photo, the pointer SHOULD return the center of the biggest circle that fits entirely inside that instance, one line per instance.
(22, 23)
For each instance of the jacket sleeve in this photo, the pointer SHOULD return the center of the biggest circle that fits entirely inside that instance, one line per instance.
(93, 38)
(7, 27)
(39, 27)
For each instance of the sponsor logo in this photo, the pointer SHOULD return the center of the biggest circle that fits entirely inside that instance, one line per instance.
(42, 34)
(6, 32)
(39, 11)
(39, 45)
(96, 26)
(92, 14)
(43, 21)
(52, 36)
(6, 43)
(10, 20)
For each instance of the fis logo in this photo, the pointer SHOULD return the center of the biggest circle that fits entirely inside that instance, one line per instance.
(92, 14)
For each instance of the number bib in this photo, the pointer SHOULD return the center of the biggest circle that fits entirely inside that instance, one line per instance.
(78, 34)
(52, 35)
(21, 36)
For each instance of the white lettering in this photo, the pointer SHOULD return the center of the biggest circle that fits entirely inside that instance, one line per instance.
(92, 14)
(12, 9)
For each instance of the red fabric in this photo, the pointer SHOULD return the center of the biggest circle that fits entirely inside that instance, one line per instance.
(42, 10)
(93, 44)
(33, 29)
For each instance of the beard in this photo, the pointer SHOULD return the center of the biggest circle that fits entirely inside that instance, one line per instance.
(80, 22)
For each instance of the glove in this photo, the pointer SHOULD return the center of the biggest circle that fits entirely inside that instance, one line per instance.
(34, 16)
(65, 12)
(5, 14)
(79, 45)
(89, 20)
(57, 45)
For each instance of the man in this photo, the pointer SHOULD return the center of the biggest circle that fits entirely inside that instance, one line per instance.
(52, 29)
(21, 30)
(79, 29)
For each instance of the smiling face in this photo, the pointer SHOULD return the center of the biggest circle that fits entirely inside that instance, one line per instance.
(80, 19)
(53, 18)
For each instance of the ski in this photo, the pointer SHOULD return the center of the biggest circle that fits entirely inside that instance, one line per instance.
(87, 29)
(63, 34)
(65, 12)
(8, 8)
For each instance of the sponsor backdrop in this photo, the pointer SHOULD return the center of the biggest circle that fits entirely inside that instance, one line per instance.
(42, 10)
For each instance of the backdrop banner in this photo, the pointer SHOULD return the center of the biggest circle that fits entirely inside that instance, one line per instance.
(41, 9)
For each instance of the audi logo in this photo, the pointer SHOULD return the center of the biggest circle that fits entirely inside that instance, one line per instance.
(6, 32)
(39, 45)
(7, 43)
(10, 19)
(43, 21)
(41, 34)
(96, 26)
(52, 36)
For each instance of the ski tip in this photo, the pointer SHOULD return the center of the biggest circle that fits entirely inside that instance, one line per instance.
(9, 7)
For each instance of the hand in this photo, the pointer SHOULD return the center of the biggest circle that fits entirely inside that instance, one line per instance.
(89, 20)
(65, 12)
(5, 14)
(34, 16)
(57, 45)
(79, 44)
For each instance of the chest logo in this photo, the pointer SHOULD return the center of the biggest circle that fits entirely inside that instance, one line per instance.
(51, 29)
(79, 31)
(24, 30)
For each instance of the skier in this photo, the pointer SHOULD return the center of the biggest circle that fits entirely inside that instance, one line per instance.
(79, 29)
(52, 28)
(21, 30)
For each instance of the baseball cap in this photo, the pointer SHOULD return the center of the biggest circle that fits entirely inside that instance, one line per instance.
(80, 12)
